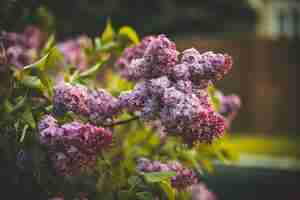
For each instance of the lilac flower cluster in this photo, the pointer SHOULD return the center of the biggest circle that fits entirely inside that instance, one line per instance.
(181, 111)
(157, 56)
(74, 51)
(99, 106)
(21, 48)
(132, 53)
(172, 88)
(184, 177)
(70, 98)
(73, 146)
(201, 192)
(229, 106)
(154, 57)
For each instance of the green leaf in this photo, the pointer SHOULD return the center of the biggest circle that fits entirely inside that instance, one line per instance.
(46, 82)
(212, 91)
(130, 33)
(166, 186)
(49, 44)
(108, 33)
(31, 82)
(24, 133)
(40, 64)
(98, 43)
(144, 196)
(91, 71)
(7, 105)
(27, 116)
(154, 177)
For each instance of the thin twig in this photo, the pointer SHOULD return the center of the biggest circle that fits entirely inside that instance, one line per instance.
(116, 123)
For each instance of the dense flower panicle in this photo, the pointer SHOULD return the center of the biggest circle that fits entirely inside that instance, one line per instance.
(183, 109)
(229, 107)
(86, 137)
(150, 110)
(134, 100)
(190, 117)
(49, 130)
(206, 128)
(158, 86)
(181, 72)
(74, 54)
(102, 106)
(11, 39)
(203, 97)
(162, 55)
(185, 86)
(158, 57)
(137, 69)
(201, 192)
(134, 52)
(184, 177)
(70, 98)
(33, 37)
(206, 67)
(229, 104)
(21, 48)
(17, 56)
(73, 146)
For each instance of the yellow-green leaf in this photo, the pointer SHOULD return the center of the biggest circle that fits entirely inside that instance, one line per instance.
(166, 186)
(40, 64)
(130, 33)
(108, 33)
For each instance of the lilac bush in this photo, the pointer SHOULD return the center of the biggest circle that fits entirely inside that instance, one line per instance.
(89, 130)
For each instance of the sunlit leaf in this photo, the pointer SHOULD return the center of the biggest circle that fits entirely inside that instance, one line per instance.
(108, 33)
(91, 71)
(130, 33)
(49, 44)
(40, 64)
(153, 177)
(167, 188)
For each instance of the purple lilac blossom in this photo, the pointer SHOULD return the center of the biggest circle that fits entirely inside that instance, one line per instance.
(134, 52)
(157, 58)
(21, 48)
(229, 107)
(174, 90)
(70, 98)
(182, 180)
(201, 192)
(74, 54)
(73, 146)
(102, 106)
(33, 37)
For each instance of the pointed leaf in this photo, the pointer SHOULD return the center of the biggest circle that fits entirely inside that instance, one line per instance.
(154, 177)
(108, 33)
(91, 71)
(31, 82)
(49, 44)
(166, 186)
(27, 116)
(40, 64)
(130, 33)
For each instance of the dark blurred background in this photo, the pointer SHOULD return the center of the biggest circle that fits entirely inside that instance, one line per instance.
(261, 35)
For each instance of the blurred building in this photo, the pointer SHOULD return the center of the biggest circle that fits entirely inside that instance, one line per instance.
(277, 18)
